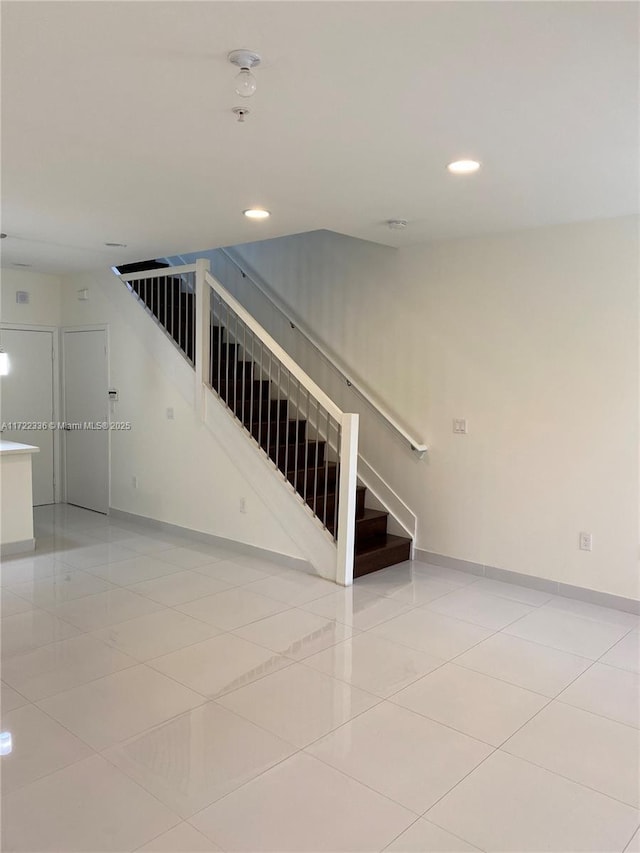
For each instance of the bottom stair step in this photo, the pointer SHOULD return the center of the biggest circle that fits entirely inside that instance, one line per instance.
(371, 557)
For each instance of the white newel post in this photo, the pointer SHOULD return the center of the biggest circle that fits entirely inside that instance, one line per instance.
(201, 348)
(347, 499)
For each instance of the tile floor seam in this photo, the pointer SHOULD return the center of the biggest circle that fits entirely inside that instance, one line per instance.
(225, 693)
(619, 640)
(103, 755)
(145, 790)
(93, 681)
(503, 680)
(402, 832)
(284, 653)
(626, 847)
(558, 649)
(440, 722)
(352, 684)
(302, 750)
(262, 772)
(546, 705)
(595, 713)
(286, 607)
(83, 683)
(635, 807)
(44, 645)
(418, 815)
(58, 769)
(453, 787)
(423, 818)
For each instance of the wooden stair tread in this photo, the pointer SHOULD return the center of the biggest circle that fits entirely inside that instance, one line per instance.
(372, 556)
(370, 513)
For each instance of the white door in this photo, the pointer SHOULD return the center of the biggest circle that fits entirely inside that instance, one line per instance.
(86, 408)
(27, 397)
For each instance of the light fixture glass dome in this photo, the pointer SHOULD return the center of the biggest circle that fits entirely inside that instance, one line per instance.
(245, 83)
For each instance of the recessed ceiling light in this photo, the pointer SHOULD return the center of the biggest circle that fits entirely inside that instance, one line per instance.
(16, 264)
(256, 213)
(463, 167)
(116, 245)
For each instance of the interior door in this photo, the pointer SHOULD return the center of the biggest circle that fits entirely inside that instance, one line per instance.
(27, 397)
(86, 409)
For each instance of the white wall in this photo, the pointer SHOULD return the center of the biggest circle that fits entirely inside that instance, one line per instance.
(44, 298)
(185, 476)
(531, 336)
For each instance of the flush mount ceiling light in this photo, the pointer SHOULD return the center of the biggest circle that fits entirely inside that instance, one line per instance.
(116, 245)
(463, 167)
(244, 80)
(256, 213)
(397, 224)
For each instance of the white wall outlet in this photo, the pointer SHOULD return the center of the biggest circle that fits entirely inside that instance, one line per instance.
(460, 425)
(170, 414)
(243, 504)
(134, 482)
(586, 542)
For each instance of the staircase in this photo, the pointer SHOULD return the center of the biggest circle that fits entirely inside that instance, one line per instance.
(275, 419)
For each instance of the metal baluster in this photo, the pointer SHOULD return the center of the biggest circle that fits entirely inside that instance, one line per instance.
(236, 340)
(180, 344)
(306, 449)
(317, 431)
(244, 358)
(260, 372)
(297, 435)
(278, 417)
(252, 362)
(326, 484)
(220, 327)
(268, 442)
(286, 427)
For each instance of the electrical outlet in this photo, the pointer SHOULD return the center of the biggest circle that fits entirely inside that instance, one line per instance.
(134, 482)
(243, 504)
(586, 542)
(170, 414)
(460, 425)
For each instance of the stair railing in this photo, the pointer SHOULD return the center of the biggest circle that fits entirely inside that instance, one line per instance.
(416, 445)
(166, 294)
(240, 363)
(234, 357)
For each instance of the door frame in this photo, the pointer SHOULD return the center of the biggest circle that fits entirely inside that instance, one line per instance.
(99, 327)
(56, 368)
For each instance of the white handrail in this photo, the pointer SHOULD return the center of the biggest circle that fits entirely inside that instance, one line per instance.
(159, 273)
(284, 357)
(417, 446)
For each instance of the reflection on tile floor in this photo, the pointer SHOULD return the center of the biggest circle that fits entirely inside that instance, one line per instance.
(165, 694)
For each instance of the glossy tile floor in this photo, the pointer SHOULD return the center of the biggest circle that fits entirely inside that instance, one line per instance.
(165, 695)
